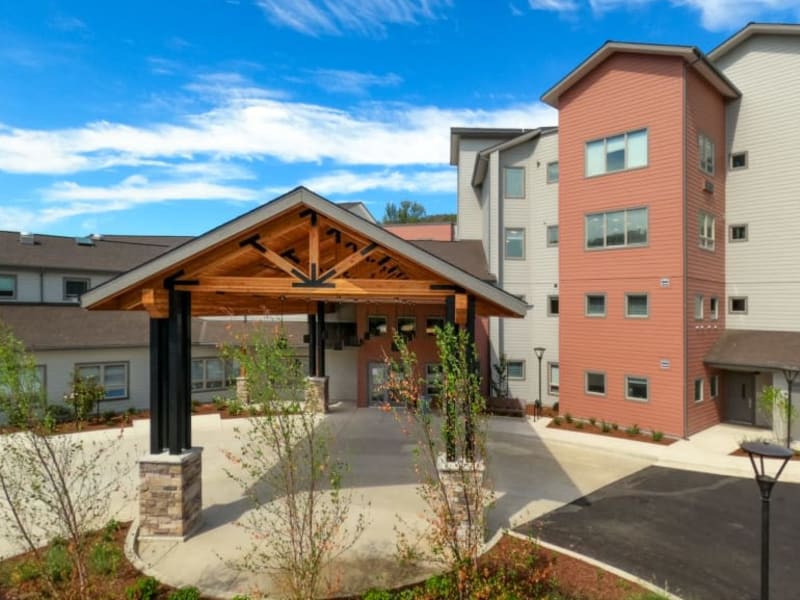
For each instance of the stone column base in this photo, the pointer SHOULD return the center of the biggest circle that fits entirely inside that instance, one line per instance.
(242, 393)
(459, 478)
(170, 494)
(318, 394)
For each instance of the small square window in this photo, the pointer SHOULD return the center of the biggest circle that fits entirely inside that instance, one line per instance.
(713, 386)
(407, 327)
(514, 182)
(515, 369)
(552, 235)
(637, 388)
(737, 305)
(698, 307)
(376, 325)
(8, 287)
(698, 390)
(552, 172)
(552, 306)
(553, 378)
(431, 323)
(713, 308)
(74, 288)
(738, 160)
(737, 233)
(636, 305)
(595, 305)
(515, 243)
(595, 383)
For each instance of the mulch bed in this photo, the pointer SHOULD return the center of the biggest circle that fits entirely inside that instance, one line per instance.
(586, 427)
(740, 452)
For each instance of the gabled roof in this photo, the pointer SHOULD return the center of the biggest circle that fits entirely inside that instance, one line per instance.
(749, 31)
(479, 133)
(230, 248)
(482, 161)
(693, 56)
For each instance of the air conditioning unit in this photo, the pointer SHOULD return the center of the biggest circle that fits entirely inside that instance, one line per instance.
(28, 239)
(708, 186)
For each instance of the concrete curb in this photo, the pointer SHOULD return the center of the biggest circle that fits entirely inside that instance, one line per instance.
(595, 563)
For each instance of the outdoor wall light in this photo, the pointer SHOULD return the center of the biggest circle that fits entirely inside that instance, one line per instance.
(758, 451)
(537, 406)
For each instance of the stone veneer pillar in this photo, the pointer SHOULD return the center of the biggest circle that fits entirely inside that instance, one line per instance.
(242, 393)
(318, 393)
(453, 475)
(170, 494)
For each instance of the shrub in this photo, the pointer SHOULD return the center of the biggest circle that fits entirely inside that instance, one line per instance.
(633, 430)
(605, 427)
(111, 528)
(27, 570)
(593, 421)
(614, 427)
(241, 597)
(195, 405)
(57, 562)
(59, 412)
(105, 558)
(555, 406)
(657, 436)
(578, 424)
(84, 394)
(378, 595)
(235, 408)
(568, 418)
(557, 421)
(219, 402)
(144, 588)
(109, 416)
(186, 593)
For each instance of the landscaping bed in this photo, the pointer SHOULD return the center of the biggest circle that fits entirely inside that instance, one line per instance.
(610, 430)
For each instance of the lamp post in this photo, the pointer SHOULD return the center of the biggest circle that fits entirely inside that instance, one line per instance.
(758, 451)
(537, 407)
(790, 375)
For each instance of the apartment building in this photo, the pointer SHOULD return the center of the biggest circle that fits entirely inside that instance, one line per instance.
(662, 290)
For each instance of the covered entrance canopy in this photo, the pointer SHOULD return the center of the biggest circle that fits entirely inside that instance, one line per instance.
(292, 255)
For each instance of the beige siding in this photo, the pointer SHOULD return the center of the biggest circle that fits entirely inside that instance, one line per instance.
(470, 211)
(764, 196)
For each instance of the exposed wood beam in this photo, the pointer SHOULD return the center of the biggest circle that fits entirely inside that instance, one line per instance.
(156, 303)
(348, 262)
(276, 259)
(313, 247)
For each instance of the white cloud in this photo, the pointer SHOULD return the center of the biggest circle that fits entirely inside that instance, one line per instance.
(344, 182)
(352, 82)
(333, 17)
(554, 5)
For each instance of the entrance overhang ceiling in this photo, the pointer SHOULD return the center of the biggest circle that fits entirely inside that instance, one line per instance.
(287, 255)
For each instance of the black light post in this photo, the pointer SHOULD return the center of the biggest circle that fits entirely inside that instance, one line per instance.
(790, 375)
(537, 408)
(760, 451)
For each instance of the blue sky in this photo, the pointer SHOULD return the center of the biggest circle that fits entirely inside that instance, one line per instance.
(172, 117)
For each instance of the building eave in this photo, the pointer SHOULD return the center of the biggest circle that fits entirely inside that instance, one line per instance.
(748, 31)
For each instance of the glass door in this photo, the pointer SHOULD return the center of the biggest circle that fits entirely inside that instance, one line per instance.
(376, 383)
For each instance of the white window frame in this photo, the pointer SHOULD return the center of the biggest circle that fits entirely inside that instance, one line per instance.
(625, 244)
(550, 312)
(699, 302)
(506, 171)
(73, 297)
(548, 174)
(229, 374)
(713, 308)
(699, 384)
(548, 242)
(742, 226)
(628, 296)
(13, 278)
(553, 389)
(707, 224)
(586, 383)
(508, 369)
(102, 366)
(713, 386)
(586, 304)
(737, 312)
(706, 153)
(604, 141)
(505, 243)
(740, 167)
(639, 378)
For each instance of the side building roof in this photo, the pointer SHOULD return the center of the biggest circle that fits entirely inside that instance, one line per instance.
(748, 31)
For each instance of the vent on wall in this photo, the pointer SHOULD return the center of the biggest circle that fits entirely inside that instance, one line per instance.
(27, 238)
(708, 186)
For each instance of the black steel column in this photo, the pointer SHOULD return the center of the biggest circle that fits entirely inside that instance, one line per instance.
(159, 386)
(312, 345)
(450, 311)
(469, 430)
(450, 408)
(320, 339)
(179, 430)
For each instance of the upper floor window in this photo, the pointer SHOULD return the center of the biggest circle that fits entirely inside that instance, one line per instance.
(595, 305)
(552, 306)
(737, 305)
(636, 305)
(431, 323)
(515, 243)
(738, 160)
(8, 287)
(514, 182)
(407, 327)
(552, 172)
(698, 307)
(552, 235)
(738, 233)
(706, 149)
(625, 151)
(707, 226)
(74, 287)
(713, 308)
(618, 228)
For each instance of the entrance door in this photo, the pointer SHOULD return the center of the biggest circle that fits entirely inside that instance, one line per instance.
(376, 383)
(740, 403)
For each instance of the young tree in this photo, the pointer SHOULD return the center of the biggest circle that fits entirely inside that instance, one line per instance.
(299, 521)
(450, 450)
(407, 212)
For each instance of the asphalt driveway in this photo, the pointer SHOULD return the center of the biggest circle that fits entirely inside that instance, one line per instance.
(695, 534)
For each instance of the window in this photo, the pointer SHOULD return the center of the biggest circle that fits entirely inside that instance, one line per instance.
(698, 307)
(706, 150)
(552, 235)
(738, 160)
(376, 325)
(407, 327)
(595, 383)
(553, 378)
(636, 305)
(40, 383)
(637, 388)
(552, 172)
(713, 308)
(8, 287)
(515, 243)
(626, 151)
(433, 379)
(707, 226)
(618, 228)
(73, 288)
(595, 305)
(112, 376)
(552, 306)
(431, 323)
(737, 233)
(514, 182)
(213, 373)
(713, 386)
(515, 369)
(698, 390)
(737, 305)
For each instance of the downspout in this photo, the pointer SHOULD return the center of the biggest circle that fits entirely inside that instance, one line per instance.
(685, 265)
(500, 254)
